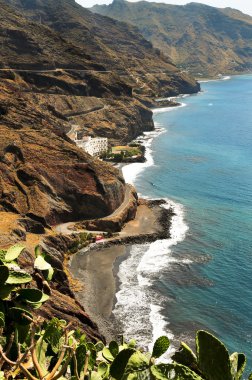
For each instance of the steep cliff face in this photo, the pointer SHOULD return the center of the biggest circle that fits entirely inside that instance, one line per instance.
(48, 82)
(43, 174)
(198, 38)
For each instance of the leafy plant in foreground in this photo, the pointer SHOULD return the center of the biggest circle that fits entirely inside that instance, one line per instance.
(17, 302)
(34, 349)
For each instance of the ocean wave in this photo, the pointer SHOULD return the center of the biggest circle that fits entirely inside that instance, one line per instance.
(158, 256)
(168, 109)
(131, 171)
(138, 305)
(227, 77)
(159, 329)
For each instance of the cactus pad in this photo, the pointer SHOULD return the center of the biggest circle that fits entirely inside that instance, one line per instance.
(114, 348)
(4, 274)
(160, 347)
(213, 357)
(5, 291)
(173, 371)
(185, 356)
(119, 364)
(41, 264)
(238, 363)
(137, 362)
(13, 252)
(31, 295)
(103, 369)
(18, 277)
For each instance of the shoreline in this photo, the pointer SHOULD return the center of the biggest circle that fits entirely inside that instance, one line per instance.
(101, 285)
(96, 268)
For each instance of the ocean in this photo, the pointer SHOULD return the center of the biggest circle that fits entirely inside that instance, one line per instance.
(199, 159)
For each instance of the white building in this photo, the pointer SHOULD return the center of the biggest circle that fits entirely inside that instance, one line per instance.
(94, 146)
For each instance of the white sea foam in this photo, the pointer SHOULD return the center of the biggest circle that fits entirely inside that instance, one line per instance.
(158, 255)
(168, 109)
(131, 171)
(226, 78)
(139, 307)
(215, 80)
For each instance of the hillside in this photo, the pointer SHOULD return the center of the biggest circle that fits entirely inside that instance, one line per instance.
(25, 44)
(127, 54)
(49, 83)
(200, 39)
(58, 68)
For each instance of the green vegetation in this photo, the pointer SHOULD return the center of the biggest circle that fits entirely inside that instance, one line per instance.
(124, 153)
(35, 349)
(18, 301)
(82, 240)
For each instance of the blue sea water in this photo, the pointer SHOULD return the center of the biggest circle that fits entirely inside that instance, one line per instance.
(202, 278)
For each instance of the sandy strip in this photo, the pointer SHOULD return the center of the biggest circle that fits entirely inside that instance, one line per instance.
(95, 270)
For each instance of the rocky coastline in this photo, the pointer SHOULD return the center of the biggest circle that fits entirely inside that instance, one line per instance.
(52, 84)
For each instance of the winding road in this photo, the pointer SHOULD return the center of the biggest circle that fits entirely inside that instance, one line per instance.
(65, 228)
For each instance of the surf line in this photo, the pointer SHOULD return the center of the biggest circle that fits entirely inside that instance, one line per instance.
(145, 263)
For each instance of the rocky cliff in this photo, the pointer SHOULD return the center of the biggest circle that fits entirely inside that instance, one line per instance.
(43, 174)
(116, 76)
(200, 39)
(59, 68)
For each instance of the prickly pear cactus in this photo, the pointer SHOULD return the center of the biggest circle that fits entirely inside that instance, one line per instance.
(13, 252)
(213, 357)
(118, 366)
(31, 295)
(4, 271)
(80, 354)
(238, 364)
(137, 363)
(185, 356)
(42, 264)
(18, 277)
(173, 371)
(160, 346)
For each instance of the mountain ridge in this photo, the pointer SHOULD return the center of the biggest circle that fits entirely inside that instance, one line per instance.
(201, 39)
